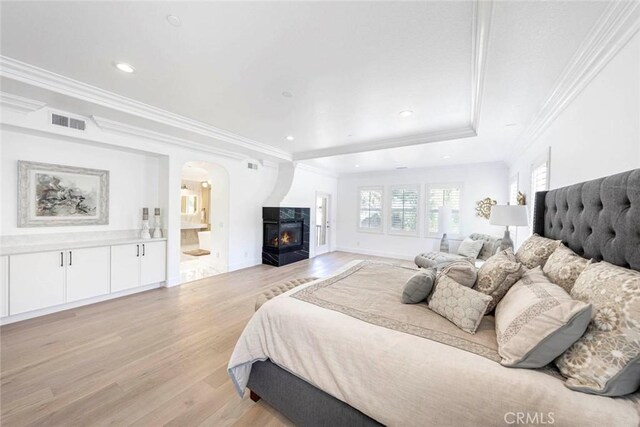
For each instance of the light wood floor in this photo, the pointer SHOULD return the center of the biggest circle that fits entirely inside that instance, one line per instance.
(154, 358)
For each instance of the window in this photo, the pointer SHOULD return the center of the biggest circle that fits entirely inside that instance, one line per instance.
(370, 209)
(404, 209)
(539, 178)
(443, 207)
(513, 191)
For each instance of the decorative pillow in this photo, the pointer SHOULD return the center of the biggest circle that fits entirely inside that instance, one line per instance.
(459, 304)
(419, 286)
(464, 272)
(497, 275)
(536, 250)
(564, 266)
(470, 248)
(537, 321)
(606, 360)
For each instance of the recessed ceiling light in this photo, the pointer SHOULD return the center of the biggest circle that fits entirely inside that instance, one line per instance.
(446, 157)
(290, 138)
(174, 20)
(287, 94)
(124, 67)
(406, 113)
(357, 166)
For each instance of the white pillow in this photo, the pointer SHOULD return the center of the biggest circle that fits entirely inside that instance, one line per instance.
(470, 248)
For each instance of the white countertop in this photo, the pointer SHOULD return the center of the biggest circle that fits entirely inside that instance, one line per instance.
(78, 244)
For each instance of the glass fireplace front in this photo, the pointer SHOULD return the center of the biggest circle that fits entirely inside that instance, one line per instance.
(283, 235)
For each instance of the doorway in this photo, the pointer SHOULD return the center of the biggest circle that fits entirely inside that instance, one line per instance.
(203, 221)
(322, 223)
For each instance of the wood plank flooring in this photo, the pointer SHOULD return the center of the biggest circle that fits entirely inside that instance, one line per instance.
(150, 359)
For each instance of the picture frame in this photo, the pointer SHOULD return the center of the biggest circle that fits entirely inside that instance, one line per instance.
(51, 195)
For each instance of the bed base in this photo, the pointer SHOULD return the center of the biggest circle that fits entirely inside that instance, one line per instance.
(299, 401)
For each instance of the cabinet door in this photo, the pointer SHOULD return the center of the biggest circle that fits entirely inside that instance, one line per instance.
(4, 286)
(87, 273)
(125, 267)
(35, 281)
(153, 267)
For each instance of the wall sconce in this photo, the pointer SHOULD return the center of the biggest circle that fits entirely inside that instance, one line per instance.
(205, 184)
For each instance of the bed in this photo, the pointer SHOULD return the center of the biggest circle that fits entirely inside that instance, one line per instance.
(342, 351)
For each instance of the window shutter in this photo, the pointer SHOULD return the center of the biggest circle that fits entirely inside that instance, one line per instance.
(370, 209)
(404, 209)
(446, 196)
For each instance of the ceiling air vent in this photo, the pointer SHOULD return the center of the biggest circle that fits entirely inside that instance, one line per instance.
(67, 122)
(251, 165)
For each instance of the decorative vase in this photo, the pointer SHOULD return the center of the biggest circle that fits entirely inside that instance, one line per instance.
(157, 231)
(145, 224)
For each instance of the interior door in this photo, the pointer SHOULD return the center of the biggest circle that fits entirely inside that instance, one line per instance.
(36, 281)
(87, 273)
(153, 263)
(322, 222)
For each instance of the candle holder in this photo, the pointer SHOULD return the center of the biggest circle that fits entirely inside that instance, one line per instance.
(157, 231)
(145, 234)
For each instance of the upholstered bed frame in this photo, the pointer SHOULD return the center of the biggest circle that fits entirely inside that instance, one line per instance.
(598, 219)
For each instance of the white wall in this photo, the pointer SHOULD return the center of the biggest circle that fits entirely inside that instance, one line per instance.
(302, 194)
(598, 134)
(134, 179)
(478, 181)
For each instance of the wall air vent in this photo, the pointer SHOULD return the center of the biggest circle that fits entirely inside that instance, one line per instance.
(251, 165)
(67, 122)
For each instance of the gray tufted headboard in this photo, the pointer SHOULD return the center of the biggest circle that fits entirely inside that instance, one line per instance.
(597, 219)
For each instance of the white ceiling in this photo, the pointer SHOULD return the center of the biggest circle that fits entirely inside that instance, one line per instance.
(351, 67)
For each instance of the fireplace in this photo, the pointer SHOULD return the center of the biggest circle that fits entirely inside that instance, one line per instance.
(285, 235)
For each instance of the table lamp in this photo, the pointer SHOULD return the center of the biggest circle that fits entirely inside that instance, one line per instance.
(515, 215)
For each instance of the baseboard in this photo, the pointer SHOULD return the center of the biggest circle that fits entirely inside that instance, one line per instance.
(62, 307)
(245, 264)
(376, 253)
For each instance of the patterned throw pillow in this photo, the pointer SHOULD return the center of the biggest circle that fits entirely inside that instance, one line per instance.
(497, 275)
(564, 266)
(536, 250)
(537, 321)
(459, 304)
(606, 360)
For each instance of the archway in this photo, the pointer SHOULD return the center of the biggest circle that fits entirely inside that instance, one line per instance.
(204, 218)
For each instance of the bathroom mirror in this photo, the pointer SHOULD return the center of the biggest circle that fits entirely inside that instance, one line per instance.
(189, 205)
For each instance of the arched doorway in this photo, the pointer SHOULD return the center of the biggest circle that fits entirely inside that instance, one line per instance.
(204, 216)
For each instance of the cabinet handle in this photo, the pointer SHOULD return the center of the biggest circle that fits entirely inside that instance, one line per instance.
(70, 258)
(138, 250)
(61, 259)
(143, 250)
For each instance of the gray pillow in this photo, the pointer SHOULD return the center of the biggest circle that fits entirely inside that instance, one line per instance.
(463, 272)
(419, 286)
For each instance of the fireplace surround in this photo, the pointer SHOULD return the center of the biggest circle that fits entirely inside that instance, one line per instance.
(285, 234)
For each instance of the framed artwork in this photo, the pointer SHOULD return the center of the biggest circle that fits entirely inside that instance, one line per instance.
(483, 207)
(55, 195)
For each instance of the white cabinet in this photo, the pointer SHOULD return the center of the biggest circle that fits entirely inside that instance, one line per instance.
(87, 273)
(36, 281)
(153, 263)
(137, 265)
(4, 286)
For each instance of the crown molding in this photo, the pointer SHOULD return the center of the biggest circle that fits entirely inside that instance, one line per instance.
(19, 103)
(16, 70)
(316, 170)
(482, 14)
(424, 138)
(109, 125)
(617, 25)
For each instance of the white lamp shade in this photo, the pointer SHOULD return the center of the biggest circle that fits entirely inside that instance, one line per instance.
(509, 215)
(444, 219)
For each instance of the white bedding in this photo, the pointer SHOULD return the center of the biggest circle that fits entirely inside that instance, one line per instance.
(402, 379)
